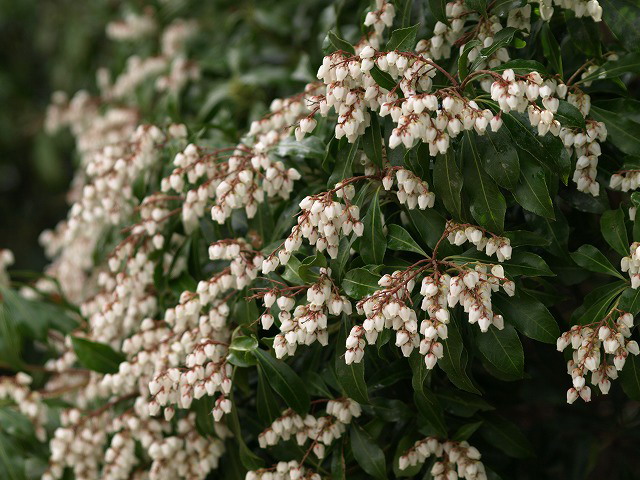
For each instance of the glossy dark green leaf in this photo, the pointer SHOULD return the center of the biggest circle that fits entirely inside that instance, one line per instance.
(479, 6)
(466, 430)
(532, 191)
(367, 453)
(487, 204)
(403, 39)
(584, 34)
(360, 282)
(623, 18)
(96, 356)
(344, 162)
(503, 349)
(383, 79)
(455, 359)
(630, 301)
(548, 151)
(500, 157)
(447, 183)
(589, 257)
(399, 239)
(551, 48)
(529, 316)
(463, 60)
(623, 132)
(614, 230)
(428, 223)
(505, 436)
(266, 404)
(462, 404)
(630, 377)
(501, 8)
(284, 381)
(438, 10)
(373, 243)
(372, 141)
(340, 44)
(569, 116)
(500, 40)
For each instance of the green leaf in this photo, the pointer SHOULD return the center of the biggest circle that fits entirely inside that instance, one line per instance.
(479, 6)
(524, 237)
(502, 8)
(400, 239)
(598, 303)
(350, 377)
(373, 242)
(614, 230)
(548, 151)
(97, 356)
(284, 381)
(500, 157)
(455, 359)
(462, 404)
(589, 257)
(551, 48)
(630, 63)
(463, 61)
(428, 223)
(630, 377)
(466, 430)
(339, 43)
(403, 39)
(290, 273)
(447, 183)
(623, 18)
(245, 312)
(383, 79)
(372, 141)
(500, 40)
(244, 343)
(569, 116)
(503, 349)
(360, 282)
(630, 301)
(306, 272)
(487, 203)
(532, 191)
(266, 405)
(425, 400)
(367, 453)
(344, 162)
(623, 132)
(584, 34)
(506, 436)
(439, 10)
(529, 316)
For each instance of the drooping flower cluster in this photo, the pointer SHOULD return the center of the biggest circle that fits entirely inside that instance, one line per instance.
(460, 234)
(445, 35)
(631, 264)
(389, 306)
(581, 8)
(291, 470)
(322, 222)
(308, 322)
(28, 402)
(322, 431)
(412, 190)
(455, 459)
(600, 349)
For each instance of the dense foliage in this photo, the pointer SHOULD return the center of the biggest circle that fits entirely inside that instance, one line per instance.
(387, 272)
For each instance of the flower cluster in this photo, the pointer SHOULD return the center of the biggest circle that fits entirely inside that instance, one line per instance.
(625, 180)
(308, 322)
(631, 264)
(322, 431)
(459, 234)
(581, 8)
(28, 402)
(455, 459)
(412, 190)
(322, 221)
(283, 471)
(445, 35)
(601, 349)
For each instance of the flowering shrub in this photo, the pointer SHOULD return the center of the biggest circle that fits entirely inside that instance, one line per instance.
(345, 288)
